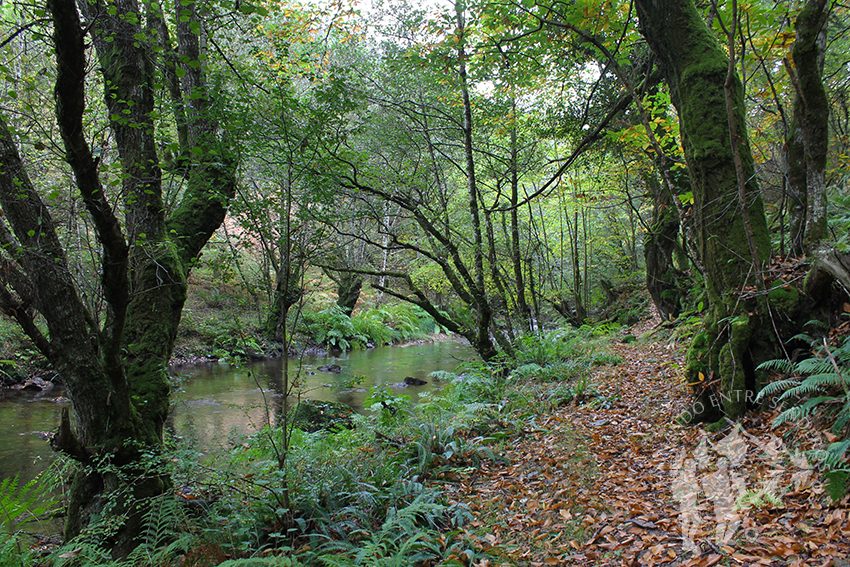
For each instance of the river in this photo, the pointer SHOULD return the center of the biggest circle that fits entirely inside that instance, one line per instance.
(215, 401)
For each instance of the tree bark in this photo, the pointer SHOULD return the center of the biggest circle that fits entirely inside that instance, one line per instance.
(114, 365)
(808, 137)
(721, 358)
(662, 278)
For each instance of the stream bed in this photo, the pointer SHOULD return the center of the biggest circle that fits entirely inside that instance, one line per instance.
(216, 402)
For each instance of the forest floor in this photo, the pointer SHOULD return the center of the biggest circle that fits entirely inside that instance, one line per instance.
(617, 481)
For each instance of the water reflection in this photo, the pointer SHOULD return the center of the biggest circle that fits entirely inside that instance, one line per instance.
(216, 403)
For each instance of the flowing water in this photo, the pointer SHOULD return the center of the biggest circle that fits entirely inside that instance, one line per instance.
(216, 402)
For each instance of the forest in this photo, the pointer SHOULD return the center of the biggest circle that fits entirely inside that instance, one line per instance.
(635, 213)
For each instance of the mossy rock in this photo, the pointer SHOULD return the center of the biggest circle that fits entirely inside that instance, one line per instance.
(313, 415)
(628, 339)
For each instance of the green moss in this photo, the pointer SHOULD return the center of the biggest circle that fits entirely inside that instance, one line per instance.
(733, 382)
(784, 298)
(718, 425)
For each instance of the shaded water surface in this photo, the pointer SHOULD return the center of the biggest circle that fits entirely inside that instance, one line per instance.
(216, 402)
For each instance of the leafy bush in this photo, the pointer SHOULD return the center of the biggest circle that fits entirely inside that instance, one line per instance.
(330, 326)
(818, 387)
(546, 348)
(371, 325)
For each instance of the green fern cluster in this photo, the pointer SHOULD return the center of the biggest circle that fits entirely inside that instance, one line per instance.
(21, 504)
(401, 541)
(818, 386)
(384, 325)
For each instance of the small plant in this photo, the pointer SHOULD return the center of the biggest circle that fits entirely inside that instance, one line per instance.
(818, 386)
(22, 504)
(392, 409)
(757, 499)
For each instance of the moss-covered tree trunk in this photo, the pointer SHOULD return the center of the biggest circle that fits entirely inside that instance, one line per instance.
(114, 363)
(663, 281)
(348, 287)
(808, 135)
(288, 292)
(721, 358)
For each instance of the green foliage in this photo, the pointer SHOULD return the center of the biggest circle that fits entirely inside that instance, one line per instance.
(164, 535)
(408, 536)
(224, 337)
(384, 325)
(370, 324)
(392, 409)
(819, 387)
(12, 553)
(578, 391)
(600, 329)
(22, 504)
(839, 219)
(330, 326)
(546, 348)
(271, 561)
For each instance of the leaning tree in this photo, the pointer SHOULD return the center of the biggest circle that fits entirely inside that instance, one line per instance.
(114, 360)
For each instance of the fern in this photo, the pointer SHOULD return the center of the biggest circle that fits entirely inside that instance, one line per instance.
(20, 505)
(442, 375)
(400, 542)
(775, 387)
(164, 520)
(824, 389)
(273, 561)
(777, 364)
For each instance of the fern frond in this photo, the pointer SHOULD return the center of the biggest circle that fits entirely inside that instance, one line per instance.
(815, 366)
(795, 413)
(807, 387)
(780, 364)
(816, 324)
(442, 375)
(19, 505)
(273, 561)
(776, 387)
(842, 419)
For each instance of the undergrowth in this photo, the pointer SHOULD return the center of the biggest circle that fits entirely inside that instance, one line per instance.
(812, 393)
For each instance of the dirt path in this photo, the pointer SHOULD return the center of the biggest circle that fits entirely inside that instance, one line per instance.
(617, 481)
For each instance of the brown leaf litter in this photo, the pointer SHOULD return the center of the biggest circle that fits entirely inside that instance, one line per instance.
(617, 481)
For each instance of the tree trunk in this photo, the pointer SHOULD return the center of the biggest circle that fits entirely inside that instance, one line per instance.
(288, 292)
(114, 365)
(663, 280)
(483, 342)
(808, 137)
(721, 359)
(348, 286)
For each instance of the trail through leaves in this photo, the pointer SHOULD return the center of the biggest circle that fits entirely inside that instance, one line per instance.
(617, 481)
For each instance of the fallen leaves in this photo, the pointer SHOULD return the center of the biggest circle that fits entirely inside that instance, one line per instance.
(593, 485)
